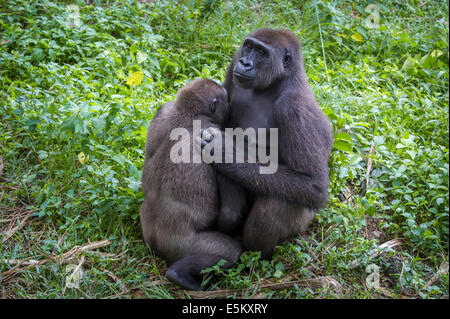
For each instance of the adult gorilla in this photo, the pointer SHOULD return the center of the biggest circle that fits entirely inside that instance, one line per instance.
(267, 88)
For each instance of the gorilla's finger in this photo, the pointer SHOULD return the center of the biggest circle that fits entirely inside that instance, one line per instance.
(206, 135)
(213, 131)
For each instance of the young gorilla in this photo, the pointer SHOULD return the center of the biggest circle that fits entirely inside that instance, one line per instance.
(181, 200)
(268, 88)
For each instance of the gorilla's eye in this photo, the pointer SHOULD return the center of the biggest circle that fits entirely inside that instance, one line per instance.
(249, 46)
(213, 105)
(286, 60)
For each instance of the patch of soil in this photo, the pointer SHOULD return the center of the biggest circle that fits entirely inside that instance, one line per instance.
(372, 231)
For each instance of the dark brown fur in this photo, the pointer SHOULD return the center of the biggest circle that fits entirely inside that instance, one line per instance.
(181, 200)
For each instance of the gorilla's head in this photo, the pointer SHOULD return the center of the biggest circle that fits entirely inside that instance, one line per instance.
(267, 56)
(205, 97)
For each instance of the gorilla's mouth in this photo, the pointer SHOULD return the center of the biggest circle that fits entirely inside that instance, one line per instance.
(243, 76)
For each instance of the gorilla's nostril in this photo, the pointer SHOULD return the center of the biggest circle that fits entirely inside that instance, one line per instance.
(247, 64)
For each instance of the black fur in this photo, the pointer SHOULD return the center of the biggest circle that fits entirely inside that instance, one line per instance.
(267, 88)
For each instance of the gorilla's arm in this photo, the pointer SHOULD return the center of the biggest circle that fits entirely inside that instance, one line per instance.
(304, 144)
(286, 183)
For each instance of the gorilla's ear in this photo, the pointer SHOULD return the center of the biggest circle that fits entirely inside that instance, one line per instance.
(286, 59)
(213, 105)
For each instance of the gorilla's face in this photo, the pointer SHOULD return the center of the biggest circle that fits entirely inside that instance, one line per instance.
(259, 65)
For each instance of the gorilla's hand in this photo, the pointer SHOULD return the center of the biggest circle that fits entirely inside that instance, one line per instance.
(212, 140)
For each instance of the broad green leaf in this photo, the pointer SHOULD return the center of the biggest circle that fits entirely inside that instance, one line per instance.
(343, 136)
(436, 53)
(427, 234)
(379, 140)
(343, 145)
(135, 78)
(278, 274)
(121, 74)
(119, 158)
(143, 132)
(141, 57)
(412, 154)
(155, 62)
(42, 154)
(357, 37)
(355, 160)
(361, 31)
(83, 158)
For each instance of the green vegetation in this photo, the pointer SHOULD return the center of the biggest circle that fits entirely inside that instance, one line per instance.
(68, 88)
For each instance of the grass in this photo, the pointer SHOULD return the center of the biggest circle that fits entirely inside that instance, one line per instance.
(64, 91)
